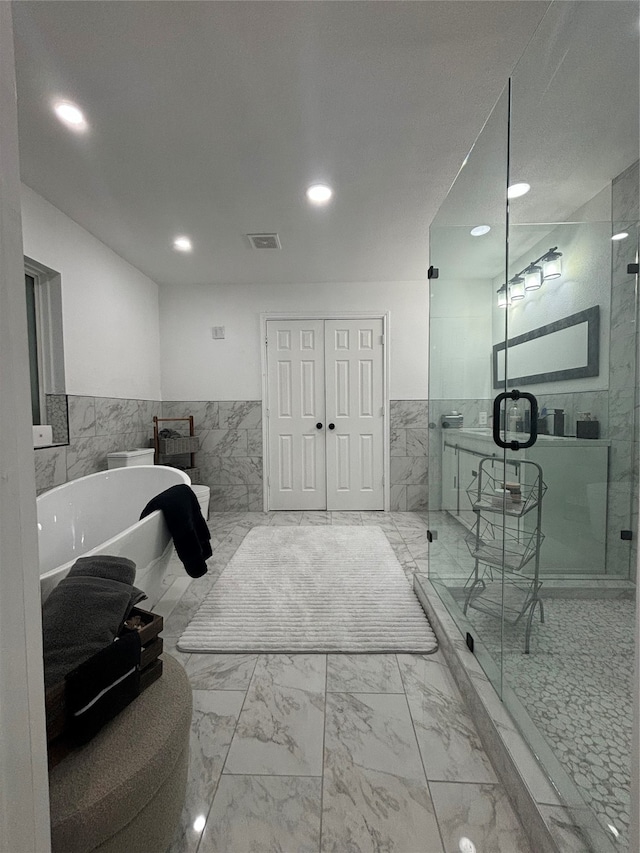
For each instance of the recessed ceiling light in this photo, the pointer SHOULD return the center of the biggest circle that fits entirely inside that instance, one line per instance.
(70, 114)
(479, 230)
(182, 244)
(516, 190)
(621, 235)
(319, 193)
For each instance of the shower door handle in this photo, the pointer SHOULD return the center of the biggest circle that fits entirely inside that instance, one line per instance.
(533, 430)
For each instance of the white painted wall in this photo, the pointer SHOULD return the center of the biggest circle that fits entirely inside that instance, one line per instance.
(110, 309)
(460, 342)
(196, 367)
(585, 281)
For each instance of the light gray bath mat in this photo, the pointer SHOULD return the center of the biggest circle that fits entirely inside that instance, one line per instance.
(311, 589)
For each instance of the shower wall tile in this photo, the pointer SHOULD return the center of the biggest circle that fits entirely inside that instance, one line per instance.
(625, 194)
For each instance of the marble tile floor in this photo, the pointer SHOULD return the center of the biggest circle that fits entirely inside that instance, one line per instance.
(576, 684)
(343, 753)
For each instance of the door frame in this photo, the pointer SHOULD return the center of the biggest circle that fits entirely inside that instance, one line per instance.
(327, 315)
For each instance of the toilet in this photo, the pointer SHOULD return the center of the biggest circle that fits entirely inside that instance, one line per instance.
(203, 493)
(127, 458)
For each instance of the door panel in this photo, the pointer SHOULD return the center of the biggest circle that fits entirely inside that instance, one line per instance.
(354, 394)
(296, 404)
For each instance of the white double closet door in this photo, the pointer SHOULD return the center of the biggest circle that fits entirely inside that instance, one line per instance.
(325, 415)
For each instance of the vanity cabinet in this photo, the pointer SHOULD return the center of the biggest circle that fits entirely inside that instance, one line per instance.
(575, 511)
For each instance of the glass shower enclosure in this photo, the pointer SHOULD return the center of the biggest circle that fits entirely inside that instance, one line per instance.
(533, 451)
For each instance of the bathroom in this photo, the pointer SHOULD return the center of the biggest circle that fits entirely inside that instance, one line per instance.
(114, 376)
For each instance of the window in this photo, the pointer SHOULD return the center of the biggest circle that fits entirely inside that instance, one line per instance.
(38, 407)
(43, 292)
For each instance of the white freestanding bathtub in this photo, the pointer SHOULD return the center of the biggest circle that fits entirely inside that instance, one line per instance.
(99, 514)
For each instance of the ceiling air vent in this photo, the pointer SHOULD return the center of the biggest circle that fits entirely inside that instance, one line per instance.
(264, 241)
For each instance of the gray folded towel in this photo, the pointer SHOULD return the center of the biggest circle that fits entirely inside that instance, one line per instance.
(85, 612)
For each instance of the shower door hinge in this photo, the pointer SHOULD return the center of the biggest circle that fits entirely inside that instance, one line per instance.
(633, 269)
(626, 534)
(432, 535)
(433, 272)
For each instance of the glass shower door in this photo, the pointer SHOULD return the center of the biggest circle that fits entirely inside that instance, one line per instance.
(538, 292)
(574, 139)
(468, 252)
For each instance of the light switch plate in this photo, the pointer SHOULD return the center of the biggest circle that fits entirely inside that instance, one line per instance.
(217, 333)
(482, 419)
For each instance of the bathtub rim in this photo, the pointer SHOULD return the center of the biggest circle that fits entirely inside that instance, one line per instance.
(111, 471)
(62, 569)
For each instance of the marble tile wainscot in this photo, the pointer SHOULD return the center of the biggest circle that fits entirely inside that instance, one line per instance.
(409, 424)
(97, 426)
(230, 454)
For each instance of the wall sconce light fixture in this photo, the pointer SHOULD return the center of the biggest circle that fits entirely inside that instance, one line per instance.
(503, 297)
(531, 277)
(552, 265)
(516, 288)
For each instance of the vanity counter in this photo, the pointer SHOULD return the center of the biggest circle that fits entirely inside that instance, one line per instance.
(574, 512)
(542, 440)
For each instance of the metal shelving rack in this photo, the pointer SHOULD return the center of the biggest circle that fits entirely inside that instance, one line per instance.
(185, 447)
(502, 543)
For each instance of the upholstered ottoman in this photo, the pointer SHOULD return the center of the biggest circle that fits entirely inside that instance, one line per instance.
(125, 789)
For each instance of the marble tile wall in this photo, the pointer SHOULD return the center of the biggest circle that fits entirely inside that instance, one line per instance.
(623, 456)
(230, 454)
(97, 426)
(409, 425)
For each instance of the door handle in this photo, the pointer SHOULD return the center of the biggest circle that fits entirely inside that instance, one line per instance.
(318, 426)
(332, 426)
(533, 434)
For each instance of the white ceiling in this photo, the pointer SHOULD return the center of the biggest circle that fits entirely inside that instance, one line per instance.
(211, 118)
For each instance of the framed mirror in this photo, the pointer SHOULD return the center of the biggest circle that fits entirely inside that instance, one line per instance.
(565, 349)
